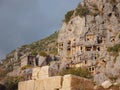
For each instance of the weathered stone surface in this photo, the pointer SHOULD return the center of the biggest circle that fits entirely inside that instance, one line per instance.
(35, 73)
(106, 84)
(40, 72)
(88, 84)
(41, 61)
(100, 78)
(74, 82)
(44, 71)
(118, 7)
(111, 88)
(78, 39)
(15, 73)
(67, 82)
(39, 85)
(51, 83)
(69, 88)
(20, 86)
(108, 8)
(30, 85)
(26, 85)
(23, 60)
(70, 80)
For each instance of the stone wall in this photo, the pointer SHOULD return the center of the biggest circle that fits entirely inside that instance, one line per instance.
(26, 85)
(67, 82)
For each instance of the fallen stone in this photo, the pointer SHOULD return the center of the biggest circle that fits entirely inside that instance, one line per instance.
(106, 84)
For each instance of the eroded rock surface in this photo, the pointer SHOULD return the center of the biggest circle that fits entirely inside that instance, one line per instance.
(85, 38)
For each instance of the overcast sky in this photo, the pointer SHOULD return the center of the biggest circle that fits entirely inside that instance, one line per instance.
(25, 21)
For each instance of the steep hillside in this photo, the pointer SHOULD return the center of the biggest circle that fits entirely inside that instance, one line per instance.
(48, 45)
(89, 38)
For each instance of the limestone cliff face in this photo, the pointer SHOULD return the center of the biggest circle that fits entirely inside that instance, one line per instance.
(84, 39)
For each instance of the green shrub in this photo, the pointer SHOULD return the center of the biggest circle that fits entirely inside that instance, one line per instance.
(26, 67)
(68, 16)
(34, 53)
(82, 72)
(11, 83)
(114, 50)
(54, 51)
(82, 11)
(44, 54)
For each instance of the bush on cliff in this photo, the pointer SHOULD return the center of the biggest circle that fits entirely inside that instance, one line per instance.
(43, 53)
(68, 16)
(82, 11)
(82, 72)
(26, 67)
(11, 83)
(114, 49)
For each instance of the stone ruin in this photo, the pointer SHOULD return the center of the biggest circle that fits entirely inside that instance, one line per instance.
(33, 60)
(42, 80)
(83, 42)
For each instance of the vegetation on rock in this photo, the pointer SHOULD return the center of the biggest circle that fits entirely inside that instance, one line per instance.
(68, 16)
(44, 54)
(11, 83)
(82, 72)
(114, 49)
(47, 45)
(82, 11)
(26, 67)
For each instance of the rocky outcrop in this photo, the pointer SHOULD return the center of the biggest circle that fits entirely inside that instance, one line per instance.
(92, 28)
(13, 60)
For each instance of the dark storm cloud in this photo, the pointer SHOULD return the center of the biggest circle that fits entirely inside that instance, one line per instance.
(25, 21)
